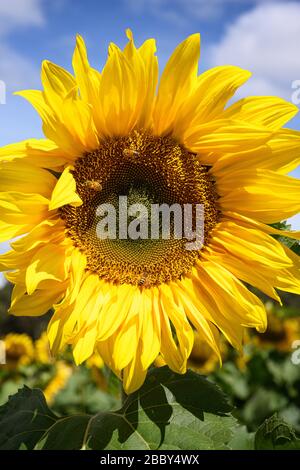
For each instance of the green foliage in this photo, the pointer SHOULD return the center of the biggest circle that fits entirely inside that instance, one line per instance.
(294, 245)
(275, 434)
(269, 383)
(82, 394)
(24, 419)
(170, 411)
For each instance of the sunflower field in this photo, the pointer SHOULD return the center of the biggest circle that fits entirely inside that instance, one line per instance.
(256, 393)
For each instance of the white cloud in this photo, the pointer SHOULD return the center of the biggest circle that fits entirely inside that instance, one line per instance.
(265, 41)
(15, 13)
(16, 70)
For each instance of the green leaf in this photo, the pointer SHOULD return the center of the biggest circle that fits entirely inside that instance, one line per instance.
(170, 411)
(294, 245)
(67, 433)
(166, 412)
(282, 225)
(191, 390)
(276, 434)
(10, 387)
(24, 419)
(242, 439)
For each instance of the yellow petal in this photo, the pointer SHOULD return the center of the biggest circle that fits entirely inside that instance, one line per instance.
(262, 194)
(182, 291)
(119, 94)
(42, 153)
(240, 267)
(20, 212)
(288, 279)
(77, 269)
(248, 222)
(60, 128)
(215, 310)
(127, 338)
(13, 260)
(65, 191)
(45, 232)
(134, 374)
(150, 335)
(184, 332)
(105, 349)
(114, 311)
(88, 318)
(176, 84)
(228, 304)
(147, 53)
(145, 67)
(247, 308)
(280, 153)
(47, 263)
(19, 176)
(170, 352)
(77, 117)
(267, 111)
(222, 136)
(249, 244)
(73, 318)
(36, 304)
(212, 91)
(57, 83)
(88, 80)
(53, 128)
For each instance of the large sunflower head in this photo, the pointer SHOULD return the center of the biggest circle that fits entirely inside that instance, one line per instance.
(112, 135)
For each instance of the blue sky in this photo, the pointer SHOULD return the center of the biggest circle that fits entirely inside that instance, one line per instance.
(260, 35)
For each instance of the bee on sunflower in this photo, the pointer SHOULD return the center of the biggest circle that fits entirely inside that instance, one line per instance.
(112, 133)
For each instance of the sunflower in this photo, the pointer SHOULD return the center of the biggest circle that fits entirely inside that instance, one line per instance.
(42, 349)
(113, 133)
(95, 364)
(62, 375)
(280, 333)
(203, 359)
(19, 350)
(95, 361)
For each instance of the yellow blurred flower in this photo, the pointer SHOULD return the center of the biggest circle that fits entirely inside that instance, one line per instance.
(19, 350)
(202, 358)
(59, 381)
(42, 349)
(280, 333)
(96, 364)
(95, 361)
